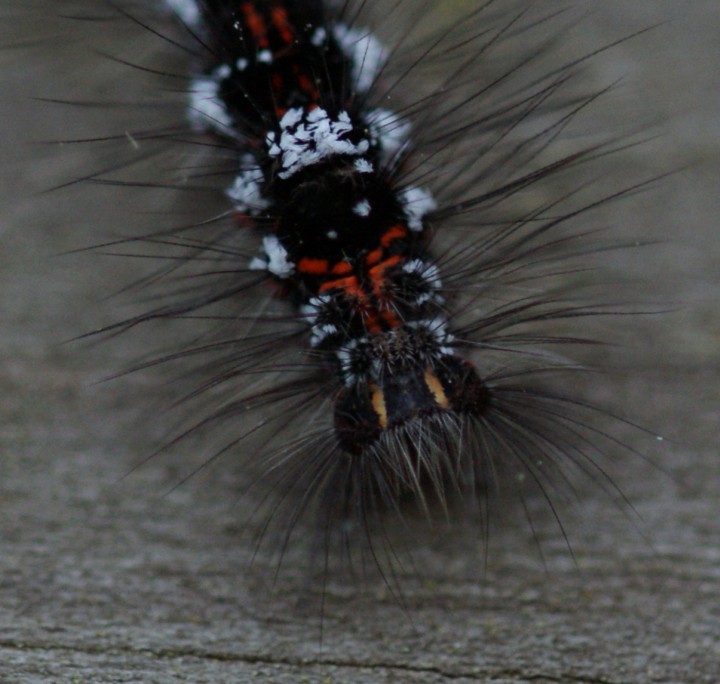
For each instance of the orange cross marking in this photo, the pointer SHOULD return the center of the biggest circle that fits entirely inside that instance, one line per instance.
(377, 273)
(350, 285)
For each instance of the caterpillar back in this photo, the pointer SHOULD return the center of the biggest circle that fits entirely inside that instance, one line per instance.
(411, 277)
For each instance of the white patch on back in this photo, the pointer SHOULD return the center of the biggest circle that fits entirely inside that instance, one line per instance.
(307, 139)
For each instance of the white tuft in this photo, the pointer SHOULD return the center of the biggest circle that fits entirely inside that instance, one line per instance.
(362, 208)
(364, 166)
(311, 313)
(307, 139)
(320, 333)
(388, 131)
(186, 10)
(431, 277)
(319, 37)
(206, 108)
(366, 53)
(246, 190)
(222, 72)
(417, 202)
(437, 329)
(277, 257)
(345, 356)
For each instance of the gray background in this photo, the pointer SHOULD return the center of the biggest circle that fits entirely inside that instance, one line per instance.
(103, 578)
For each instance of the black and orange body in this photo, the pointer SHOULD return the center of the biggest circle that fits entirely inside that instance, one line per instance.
(342, 233)
(274, 59)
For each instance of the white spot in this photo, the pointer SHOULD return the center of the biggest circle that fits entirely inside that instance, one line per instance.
(319, 37)
(362, 208)
(332, 235)
(311, 310)
(186, 10)
(431, 277)
(345, 356)
(363, 166)
(320, 333)
(311, 313)
(428, 272)
(241, 64)
(222, 72)
(277, 257)
(389, 131)
(265, 57)
(437, 329)
(365, 52)
(417, 203)
(246, 190)
(308, 312)
(206, 108)
(318, 303)
(306, 139)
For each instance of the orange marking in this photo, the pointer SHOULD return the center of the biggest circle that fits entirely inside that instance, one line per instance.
(280, 20)
(371, 324)
(378, 280)
(377, 273)
(378, 404)
(351, 288)
(256, 24)
(350, 285)
(395, 233)
(436, 389)
(374, 257)
(391, 320)
(342, 268)
(313, 266)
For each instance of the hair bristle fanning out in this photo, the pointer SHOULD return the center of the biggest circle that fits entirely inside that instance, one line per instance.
(397, 306)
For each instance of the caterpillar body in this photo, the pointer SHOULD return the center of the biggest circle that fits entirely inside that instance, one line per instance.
(346, 235)
(419, 288)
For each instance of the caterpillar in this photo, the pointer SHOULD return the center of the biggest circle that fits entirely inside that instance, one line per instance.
(387, 300)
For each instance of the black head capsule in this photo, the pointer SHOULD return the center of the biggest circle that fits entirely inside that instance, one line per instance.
(407, 397)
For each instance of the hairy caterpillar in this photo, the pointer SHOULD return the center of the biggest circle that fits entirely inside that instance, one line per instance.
(387, 300)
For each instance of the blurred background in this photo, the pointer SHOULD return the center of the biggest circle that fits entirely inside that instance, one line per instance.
(104, 577)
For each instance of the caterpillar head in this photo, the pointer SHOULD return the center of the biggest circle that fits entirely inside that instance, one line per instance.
(398, 400)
